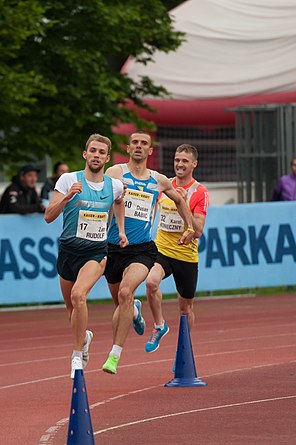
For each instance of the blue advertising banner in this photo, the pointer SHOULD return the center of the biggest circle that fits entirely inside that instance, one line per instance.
(243, 246)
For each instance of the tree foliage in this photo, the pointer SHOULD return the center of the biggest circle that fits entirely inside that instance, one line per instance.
(57, 74)
(170, 4)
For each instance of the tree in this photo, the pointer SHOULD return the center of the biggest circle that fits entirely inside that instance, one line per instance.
(59, 83)
(19, 86)
(170, 4)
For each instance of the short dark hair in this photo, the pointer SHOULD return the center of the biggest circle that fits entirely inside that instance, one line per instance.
(28, 168)
(57, 165)
(188, 149)
(139, 132)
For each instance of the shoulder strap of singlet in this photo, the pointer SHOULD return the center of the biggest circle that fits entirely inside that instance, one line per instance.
(125, 170)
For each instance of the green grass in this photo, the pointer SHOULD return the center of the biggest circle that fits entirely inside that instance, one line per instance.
(254, 291)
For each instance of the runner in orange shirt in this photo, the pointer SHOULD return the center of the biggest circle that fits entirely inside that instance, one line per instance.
(179, 260)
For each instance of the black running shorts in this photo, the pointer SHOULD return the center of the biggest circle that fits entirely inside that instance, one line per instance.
(185, 274)
(120, 258)
(69, 264)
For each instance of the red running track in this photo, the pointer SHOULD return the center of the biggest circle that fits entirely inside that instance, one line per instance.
(245, 349)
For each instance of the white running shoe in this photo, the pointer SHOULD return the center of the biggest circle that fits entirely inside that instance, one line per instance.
(85, 355)
(75, 364)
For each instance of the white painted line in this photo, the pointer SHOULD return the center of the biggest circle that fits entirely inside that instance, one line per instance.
(63, 422)
(239, 351)
(182, 413)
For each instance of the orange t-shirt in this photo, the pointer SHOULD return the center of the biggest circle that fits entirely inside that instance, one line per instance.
(171, 225)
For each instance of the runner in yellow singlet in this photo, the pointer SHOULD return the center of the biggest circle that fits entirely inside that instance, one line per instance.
(179, 260)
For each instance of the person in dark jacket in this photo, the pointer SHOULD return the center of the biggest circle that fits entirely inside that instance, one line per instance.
(21, 195)
(48, 187)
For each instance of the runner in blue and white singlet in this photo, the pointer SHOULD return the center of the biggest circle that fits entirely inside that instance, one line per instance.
(85, 198)
(127, 268)
(85, 216)
(139, 201)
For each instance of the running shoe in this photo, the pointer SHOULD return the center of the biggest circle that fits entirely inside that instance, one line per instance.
(75, 364)
(85, 354)
(157, 334)
(110, 365)
(139, 322)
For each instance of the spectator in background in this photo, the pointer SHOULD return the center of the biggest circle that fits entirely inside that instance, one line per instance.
(21, 195)
(48, 187)
(285, 190)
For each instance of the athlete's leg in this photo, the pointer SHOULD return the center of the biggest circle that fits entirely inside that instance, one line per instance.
(114, 288)
(186, 308)
(185, 276)
(153, 292)
(133, 276)
(86, 279)
(66, 288)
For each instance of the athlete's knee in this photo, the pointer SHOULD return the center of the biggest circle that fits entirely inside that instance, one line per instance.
(125, 296)
(77, 298)
(186, 308)
(152, 285)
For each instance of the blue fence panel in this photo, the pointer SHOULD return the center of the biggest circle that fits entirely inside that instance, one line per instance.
(243, 246)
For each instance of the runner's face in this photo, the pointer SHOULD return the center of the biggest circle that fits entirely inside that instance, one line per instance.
(293, 167)
(96, 156)
(184, 164)
(139, 147)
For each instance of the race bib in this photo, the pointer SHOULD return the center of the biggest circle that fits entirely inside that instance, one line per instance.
(170, 220)
(92, 226)
(138, 204)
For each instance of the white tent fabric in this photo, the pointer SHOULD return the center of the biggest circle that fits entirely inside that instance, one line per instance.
(232, 48)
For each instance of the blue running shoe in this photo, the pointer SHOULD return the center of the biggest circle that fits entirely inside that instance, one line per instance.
(157, 334)
(139, 322)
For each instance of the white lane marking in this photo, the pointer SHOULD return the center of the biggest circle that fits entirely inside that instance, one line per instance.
(289, 334)
(47, 439)
(239, 351)
(182, 413)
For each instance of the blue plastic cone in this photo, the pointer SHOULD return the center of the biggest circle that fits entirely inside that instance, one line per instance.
(185, 372)
(80, 430)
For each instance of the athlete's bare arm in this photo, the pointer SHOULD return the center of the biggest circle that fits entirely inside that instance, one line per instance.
(59, 201)
(118, 207)
(165, 186)
(198, 221)
(114, 172)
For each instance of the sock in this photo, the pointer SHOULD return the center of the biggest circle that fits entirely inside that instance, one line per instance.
(77, 354)
(116, 350)
(159, 326)
(136, 312)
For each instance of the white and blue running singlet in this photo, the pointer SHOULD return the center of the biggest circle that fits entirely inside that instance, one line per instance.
(139, 201)
(86, 217)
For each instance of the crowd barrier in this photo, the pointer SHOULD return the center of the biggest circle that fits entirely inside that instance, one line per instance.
(243, 246)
